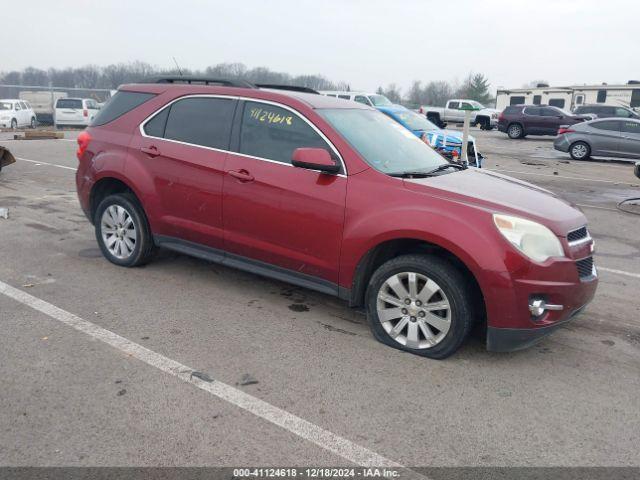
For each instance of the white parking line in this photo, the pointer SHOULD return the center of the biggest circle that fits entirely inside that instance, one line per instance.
(619, 272)
(45, 163)
(323, 438)
(583, 179)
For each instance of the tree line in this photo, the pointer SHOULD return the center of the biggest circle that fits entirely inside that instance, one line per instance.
(436, 93)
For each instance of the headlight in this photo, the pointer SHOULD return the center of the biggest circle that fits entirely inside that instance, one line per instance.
(533, 239)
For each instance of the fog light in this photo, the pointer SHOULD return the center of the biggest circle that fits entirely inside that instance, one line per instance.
(538, 306)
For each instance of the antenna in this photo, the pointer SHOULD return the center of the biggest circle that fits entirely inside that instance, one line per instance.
(178, 66)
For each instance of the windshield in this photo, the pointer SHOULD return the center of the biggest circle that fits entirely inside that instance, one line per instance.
(414, 121)
(383, 143)
(380, 100)
(6, 106)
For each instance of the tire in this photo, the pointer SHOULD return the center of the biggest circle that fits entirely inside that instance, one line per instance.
(34, 123)
(133, 244)
(405, 327)
(14, 124)
(515, 130)
(580, 151)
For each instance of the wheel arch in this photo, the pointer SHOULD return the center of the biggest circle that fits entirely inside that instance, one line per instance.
(109, 184)
(391, 248)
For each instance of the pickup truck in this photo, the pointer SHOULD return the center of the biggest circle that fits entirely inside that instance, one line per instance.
(453, 112)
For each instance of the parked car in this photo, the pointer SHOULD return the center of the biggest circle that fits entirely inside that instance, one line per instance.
(371, 99)
(486, 118)
(333, 196)
(446, 141)
(606, 111)
(605, 137)
(518, 121)
(43, 103)
(75, 112)
(16, 114)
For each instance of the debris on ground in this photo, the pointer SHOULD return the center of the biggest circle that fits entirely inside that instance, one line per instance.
(6, 158)
(4, 213)
(247, 379)
(202, 376)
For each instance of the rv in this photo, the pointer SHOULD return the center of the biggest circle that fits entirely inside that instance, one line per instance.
(572, 96)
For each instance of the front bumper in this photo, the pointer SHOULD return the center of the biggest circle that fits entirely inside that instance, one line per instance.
(513, 339)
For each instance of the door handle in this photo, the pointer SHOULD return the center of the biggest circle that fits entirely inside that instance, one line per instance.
(152, 151)
(241, 175)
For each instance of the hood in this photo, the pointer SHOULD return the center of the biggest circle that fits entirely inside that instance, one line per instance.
(490, 110)
(498, 193)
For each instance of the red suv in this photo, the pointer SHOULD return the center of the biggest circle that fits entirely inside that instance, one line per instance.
(336, 197)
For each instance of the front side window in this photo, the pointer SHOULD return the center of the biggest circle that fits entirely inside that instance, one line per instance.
(532, 111)
(362, 99)
(273, 133)
(18, 107)
(623, 112)
(382, 142)
(631, 127)
(611, 125)
(201, 121)
(23, 105)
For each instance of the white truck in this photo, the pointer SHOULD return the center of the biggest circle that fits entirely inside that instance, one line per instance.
(453, 112)
(43, 103)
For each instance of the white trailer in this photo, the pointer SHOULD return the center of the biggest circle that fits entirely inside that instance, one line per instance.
(571, 96)
(43, 103)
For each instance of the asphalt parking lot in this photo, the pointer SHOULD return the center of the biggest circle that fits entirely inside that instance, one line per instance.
(287, 376)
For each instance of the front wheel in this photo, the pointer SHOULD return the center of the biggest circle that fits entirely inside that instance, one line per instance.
(580, 151)
(122, 231)
(33, 122)
(14, 124)
(421, 304)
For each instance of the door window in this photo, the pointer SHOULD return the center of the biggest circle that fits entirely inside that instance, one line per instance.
(273, 133)
(550, 112)
(17, 107)
(631, 127)
(622, 112)
(532, 111)
(611, 125)
(362, 99)
(23, 105)
(201, 121)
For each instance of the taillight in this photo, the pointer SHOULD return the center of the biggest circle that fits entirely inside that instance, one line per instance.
(562, 130)
(501, 116)
(85, 112)
(83, 142)
(421, 110)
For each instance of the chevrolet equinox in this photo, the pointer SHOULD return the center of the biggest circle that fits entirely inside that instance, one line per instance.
(333, 196)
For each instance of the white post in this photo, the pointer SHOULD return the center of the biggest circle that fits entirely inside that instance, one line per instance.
(465, 137)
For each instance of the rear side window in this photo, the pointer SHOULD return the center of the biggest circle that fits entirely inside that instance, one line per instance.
(535, 111)
(454, 105)
(155, 126)
(201, 121)
(274, 133)
(121, 103)
(69, 103)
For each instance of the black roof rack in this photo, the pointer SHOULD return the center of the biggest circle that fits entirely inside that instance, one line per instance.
(293, 88)
(200, 80)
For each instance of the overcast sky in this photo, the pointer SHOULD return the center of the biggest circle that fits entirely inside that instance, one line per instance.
(364, 42)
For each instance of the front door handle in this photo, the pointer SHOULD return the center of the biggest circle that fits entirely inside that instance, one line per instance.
(152, 151)
(241, 175)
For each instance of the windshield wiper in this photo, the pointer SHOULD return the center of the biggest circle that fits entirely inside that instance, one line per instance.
(409, 174)
(444, 166)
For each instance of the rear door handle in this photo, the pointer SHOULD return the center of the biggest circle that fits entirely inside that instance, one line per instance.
(152, 151)
(241, 175)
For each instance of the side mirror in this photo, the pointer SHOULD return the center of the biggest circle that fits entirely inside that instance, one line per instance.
(314, 159)
(636, 170)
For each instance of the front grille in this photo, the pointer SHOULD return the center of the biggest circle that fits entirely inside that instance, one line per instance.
(577, 235)
(585, 267)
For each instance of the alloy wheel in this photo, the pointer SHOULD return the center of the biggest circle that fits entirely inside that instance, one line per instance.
(579, 150)
(118, 232)
(515, 131)
(414, 310)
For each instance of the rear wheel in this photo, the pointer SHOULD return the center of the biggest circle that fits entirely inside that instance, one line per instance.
(122, 231)
(580, 151)
(421, 304)
(515, 130)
